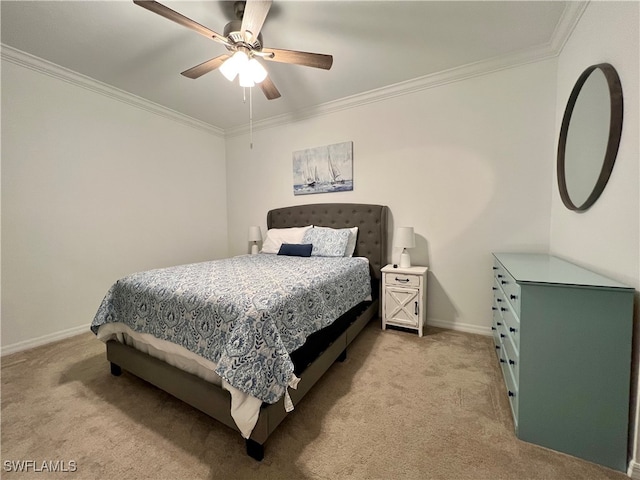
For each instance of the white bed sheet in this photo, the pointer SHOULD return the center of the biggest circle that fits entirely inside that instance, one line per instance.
(245, 408)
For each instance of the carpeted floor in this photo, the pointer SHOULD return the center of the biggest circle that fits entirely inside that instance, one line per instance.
(399, 407)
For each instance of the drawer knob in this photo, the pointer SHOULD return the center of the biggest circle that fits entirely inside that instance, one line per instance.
(502, 335)
(503, 282)
(495, 268)
(493, 328)
(512, 297)
(493, 288)
(511, 329)
(500, 276)
(497, 347)
(502, 360)
(498, 299)
(503, 309)
(511, 362)
(494, 308)
(511, 394)
(498, 323)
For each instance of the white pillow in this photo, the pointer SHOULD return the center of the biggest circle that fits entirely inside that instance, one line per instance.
(277, 236)
(351, 244)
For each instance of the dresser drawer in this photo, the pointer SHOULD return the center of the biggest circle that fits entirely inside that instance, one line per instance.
(508, 285)
(510, 383)
(400, 280)
(512, 392)
(513, 359)
(512, 325)
(497, 319)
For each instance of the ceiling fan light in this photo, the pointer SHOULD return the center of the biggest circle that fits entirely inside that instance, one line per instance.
(257, 71)
(245, 78)
(234, 65)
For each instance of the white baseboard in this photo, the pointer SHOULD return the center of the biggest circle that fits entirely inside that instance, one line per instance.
(36, 342)
(53, 337)
(461, 327)
(634, 470)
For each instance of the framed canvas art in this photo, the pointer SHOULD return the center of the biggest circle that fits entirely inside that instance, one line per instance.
(323, 169)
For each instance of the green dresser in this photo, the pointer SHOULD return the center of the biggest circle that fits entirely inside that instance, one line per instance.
(563, 338)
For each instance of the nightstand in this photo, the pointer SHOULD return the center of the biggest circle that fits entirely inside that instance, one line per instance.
(404, 297)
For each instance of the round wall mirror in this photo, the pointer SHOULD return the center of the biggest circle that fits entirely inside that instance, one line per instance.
(589, 136)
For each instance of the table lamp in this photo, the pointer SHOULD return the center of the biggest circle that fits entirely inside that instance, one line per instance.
(255, 236)
(404, 239)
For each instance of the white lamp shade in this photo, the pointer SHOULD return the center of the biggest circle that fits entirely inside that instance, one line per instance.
(245, 78)
(255, 235)
(404, 237)
(256, 71)
(237, 63)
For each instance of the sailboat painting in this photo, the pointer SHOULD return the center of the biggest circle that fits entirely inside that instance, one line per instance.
(323, 169)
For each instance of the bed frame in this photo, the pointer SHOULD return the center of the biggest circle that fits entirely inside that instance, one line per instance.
(371, 221)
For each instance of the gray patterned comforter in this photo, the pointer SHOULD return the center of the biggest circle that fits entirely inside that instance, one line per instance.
(244, 313)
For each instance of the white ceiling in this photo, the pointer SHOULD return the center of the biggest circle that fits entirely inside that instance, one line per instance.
(374, 44)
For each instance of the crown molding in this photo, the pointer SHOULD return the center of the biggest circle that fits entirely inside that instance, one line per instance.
(569, 19)
(40, 65)
(566, 24)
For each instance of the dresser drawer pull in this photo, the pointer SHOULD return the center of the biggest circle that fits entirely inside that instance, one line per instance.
(511, 362)
(498, 299)
(493, 288)
(503, 309)
(511, 329)
(513, 297)
(502, 335)
(498, 323)
(500, 276)
(497, 347)
(404, 280)
(416, 308)
(511, 394)
(494, 308)
(495, 268)
(503, 282)
(502, 360)
(493, 328)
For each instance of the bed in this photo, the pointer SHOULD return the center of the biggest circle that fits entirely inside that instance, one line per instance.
(291, 373)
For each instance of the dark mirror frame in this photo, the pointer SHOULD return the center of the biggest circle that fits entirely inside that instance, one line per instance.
(615, 132)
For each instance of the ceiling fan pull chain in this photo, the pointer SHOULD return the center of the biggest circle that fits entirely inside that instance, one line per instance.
(250, 119)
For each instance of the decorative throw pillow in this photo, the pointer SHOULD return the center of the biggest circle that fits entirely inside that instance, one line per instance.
(277, 236)
(296, 249)
(327, 242)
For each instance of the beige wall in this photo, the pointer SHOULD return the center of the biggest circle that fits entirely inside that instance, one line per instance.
(467, 164)
(606, 238)
(94, 189)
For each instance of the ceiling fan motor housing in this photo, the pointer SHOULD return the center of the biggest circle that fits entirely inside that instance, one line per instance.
(233, 32)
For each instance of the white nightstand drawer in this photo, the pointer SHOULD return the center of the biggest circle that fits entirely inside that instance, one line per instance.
(400, 280)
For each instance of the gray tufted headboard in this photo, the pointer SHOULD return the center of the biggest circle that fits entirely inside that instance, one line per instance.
(371, 221)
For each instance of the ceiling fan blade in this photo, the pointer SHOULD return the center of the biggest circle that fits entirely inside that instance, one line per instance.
(269, 89)
(205, 67)
(180, 19)
(316, 60)
(255, 12)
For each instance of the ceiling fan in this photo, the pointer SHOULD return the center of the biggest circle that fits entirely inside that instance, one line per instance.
(243, 39)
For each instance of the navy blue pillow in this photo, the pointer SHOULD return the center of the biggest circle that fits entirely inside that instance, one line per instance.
(296, 249)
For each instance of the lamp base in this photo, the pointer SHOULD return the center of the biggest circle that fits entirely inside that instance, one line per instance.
(254, 249)
(405, 260)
